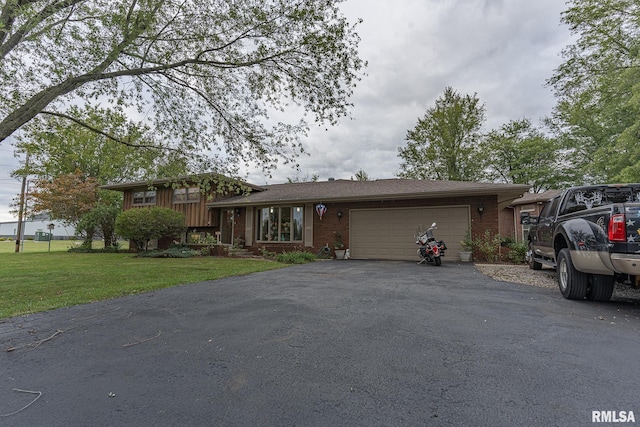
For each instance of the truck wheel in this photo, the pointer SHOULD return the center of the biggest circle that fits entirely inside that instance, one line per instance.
(572, 283)
(533, 264)
(601, 288)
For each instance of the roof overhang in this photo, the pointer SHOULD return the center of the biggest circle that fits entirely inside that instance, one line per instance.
(504, 198)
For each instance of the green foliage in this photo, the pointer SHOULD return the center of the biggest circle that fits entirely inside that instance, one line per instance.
(206, 77)
(196, 238)
(507, 242)
(296, 257)
(487, 246)
(100, 220)
(361, 175)
(266, 253)
(517, 253)
(57, 146)
(598, 112)
(467, 242)
(444, 143)
(519, 153)
(144, 224)
(175, 251)
(87, 247)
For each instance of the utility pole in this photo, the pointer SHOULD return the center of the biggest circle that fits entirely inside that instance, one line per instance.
(21, 208)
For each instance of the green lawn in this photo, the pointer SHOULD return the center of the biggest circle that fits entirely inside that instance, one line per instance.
(28, 246)
(36, 281)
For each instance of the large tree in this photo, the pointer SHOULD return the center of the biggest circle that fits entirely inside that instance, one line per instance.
(520, 153)
(56, 147)
(444, 143)
(598, 89)
(207, 76)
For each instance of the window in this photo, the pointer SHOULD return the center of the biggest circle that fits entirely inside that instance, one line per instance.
(280, 224)
(186, 195)
(144, 198)
(526, 226)
(549, 210)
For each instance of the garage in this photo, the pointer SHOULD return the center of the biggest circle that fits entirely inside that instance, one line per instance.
(390, 233)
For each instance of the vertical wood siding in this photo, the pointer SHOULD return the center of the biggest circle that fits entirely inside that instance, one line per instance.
(196, 213)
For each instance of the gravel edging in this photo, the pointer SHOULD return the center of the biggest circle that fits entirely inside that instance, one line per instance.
(545, 278)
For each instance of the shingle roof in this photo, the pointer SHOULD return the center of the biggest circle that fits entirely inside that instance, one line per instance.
(382, 189)
(528, 198)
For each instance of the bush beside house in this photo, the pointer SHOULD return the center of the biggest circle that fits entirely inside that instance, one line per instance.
(145, 224)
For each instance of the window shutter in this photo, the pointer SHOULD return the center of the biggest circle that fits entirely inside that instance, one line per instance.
(248, 227)
(308, 225)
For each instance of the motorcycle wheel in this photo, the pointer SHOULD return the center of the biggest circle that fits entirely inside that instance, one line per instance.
(437, 261)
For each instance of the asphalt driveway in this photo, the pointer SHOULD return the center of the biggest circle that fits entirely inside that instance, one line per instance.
(330, 343)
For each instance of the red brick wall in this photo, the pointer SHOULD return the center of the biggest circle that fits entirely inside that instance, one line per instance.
(507, 223)
(324, 230)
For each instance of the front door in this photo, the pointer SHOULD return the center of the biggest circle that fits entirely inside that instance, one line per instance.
(226, 226)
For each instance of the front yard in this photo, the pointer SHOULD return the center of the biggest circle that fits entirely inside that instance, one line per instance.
(40, 281)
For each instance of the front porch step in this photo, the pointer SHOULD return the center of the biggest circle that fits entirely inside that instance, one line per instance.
(239, 252)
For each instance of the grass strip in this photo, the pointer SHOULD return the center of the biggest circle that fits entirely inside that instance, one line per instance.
(35, 282)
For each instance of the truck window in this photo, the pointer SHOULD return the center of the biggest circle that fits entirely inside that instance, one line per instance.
(550, 209)
(580, 200)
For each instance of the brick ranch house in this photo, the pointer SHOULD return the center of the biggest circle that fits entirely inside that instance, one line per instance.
(376, 219)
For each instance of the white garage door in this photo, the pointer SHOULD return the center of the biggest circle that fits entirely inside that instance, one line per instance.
(390, 233)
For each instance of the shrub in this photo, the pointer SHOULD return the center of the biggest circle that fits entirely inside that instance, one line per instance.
(266, 253)
(507, 242)
(172, 252)
(100, 220)
(296, 257)
(87, 247)
(518, 253)
(142, 225)
(84, 247)
(488, 246)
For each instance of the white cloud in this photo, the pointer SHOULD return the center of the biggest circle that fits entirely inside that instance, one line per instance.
(502, 50)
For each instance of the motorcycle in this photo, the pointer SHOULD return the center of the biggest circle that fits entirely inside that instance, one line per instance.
(430, 250)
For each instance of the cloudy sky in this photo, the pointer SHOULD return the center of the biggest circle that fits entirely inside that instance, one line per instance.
(501, 50)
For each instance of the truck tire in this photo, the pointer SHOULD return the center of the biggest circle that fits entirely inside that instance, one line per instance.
(572, 283)
(601, 288)
(533, 264)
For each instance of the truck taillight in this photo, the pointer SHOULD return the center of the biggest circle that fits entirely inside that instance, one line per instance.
(617, 228)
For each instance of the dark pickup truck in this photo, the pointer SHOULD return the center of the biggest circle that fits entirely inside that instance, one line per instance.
(591, 236)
